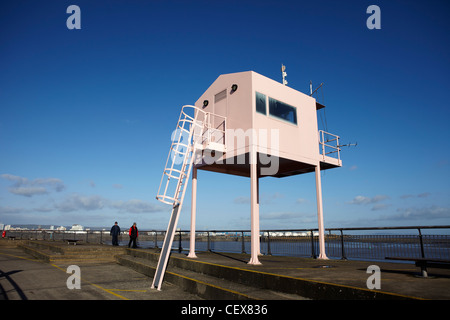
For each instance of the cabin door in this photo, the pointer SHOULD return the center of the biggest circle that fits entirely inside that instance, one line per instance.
(220, 113)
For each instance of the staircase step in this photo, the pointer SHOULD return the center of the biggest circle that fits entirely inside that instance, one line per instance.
(40, 254)
(56, 252)
(203, 285)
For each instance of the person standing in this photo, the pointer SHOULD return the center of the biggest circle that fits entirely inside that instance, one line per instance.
(115, 231)
(133, 235)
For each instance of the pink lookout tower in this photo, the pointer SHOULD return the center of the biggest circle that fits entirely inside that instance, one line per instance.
(248, 125)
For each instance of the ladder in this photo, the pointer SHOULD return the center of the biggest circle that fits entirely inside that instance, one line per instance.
(186, 140)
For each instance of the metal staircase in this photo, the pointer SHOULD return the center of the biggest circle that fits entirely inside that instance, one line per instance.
(192, 134)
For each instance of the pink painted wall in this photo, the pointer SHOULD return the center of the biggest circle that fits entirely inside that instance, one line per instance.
(296, 142)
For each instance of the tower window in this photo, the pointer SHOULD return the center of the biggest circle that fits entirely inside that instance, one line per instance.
(282, 110)
(261, 103)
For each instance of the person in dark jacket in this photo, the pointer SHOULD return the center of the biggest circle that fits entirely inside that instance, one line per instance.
(115, 231)
(133, 235)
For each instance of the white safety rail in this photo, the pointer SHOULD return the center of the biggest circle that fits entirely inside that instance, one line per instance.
(194, 132)
(329, 144)
(214, 132)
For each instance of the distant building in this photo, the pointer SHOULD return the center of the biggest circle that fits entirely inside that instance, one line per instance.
(77, 227)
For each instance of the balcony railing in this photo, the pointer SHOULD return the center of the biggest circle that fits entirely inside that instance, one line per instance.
(329, 145)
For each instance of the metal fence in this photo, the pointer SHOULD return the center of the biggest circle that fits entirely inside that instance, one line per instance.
(340, 243)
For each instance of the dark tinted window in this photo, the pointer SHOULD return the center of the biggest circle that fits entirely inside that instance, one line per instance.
(261, 103)
(282, 110)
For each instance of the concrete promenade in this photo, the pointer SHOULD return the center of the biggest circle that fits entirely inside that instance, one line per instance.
(24, 277)
(316, 279)
(37, 272)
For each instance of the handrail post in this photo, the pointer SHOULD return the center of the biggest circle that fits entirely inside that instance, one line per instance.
(313, 254)
(207, 235)
(156, 239)
(269, 252)
(323, 144)
(338, 149)
(242, 242)
(422, 251)
(180, 247)
(343, 257)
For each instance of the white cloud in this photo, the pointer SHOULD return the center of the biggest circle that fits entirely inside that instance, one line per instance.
(375, 201)
(76, 202)
(415, 213)
(368, 200)
(17, 179)
(28, 188)
(135, 206)
(11, 210)
(28, 191)
(420, 195)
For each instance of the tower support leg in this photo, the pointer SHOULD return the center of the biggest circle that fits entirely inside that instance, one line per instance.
(254, 209)
(193, 214)
(322, 254)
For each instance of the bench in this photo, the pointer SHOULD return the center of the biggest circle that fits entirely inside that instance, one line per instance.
(423, 263)
(74, 242)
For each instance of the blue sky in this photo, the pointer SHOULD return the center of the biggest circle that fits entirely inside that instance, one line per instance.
(86, 115)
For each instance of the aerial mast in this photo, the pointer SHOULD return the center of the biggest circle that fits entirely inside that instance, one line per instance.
(284, 74)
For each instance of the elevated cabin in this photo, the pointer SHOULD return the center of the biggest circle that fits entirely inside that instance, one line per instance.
(284, 121)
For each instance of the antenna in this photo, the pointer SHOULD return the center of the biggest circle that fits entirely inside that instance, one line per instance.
(310, 88)
(348, 145)
(284, 74)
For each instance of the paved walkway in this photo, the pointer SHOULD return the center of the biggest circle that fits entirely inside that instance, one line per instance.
(24, 278)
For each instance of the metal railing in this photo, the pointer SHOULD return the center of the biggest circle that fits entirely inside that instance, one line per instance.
(329, 144)
(340, 243)
(214, 129)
